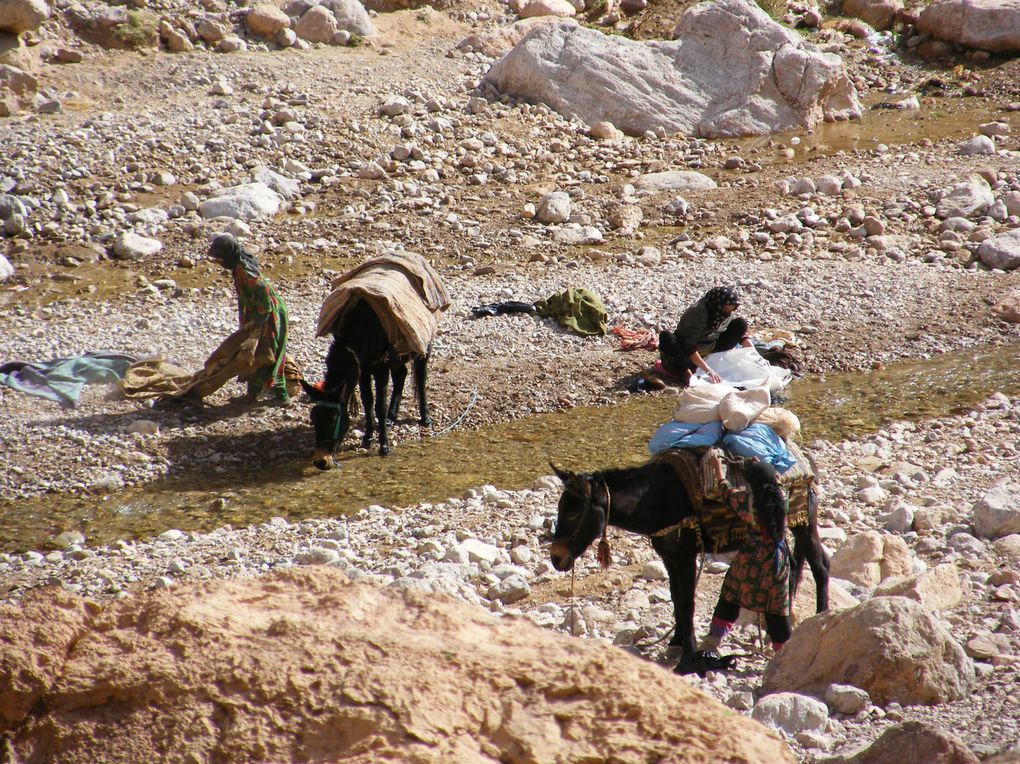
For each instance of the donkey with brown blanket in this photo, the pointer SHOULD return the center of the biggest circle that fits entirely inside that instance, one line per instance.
(381, 315)
(663, 501)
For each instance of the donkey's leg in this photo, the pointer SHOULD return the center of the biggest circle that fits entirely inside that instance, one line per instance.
(808, 545)
(801, 541)
(398, 373)
(421, 365)
(365, 387)
(680, 557)
(382, 382)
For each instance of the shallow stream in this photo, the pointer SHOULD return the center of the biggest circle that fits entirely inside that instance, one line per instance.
(509, 455)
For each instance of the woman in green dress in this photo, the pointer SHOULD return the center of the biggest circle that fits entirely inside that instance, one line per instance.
(258, 304)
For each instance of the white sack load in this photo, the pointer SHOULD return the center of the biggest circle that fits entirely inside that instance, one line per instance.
(745, 368)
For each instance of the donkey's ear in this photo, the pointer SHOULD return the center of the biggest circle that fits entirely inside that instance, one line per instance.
(313, 392)
(572, 481)
(561, 474)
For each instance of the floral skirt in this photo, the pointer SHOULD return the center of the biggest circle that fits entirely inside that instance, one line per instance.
(756, 582)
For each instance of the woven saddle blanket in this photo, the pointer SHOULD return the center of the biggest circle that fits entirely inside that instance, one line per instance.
(715, 519)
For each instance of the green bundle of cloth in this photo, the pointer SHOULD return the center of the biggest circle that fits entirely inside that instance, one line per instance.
(578, 309)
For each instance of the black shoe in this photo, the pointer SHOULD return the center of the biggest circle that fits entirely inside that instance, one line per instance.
(516, 306)
(703, 661)
(484, 310)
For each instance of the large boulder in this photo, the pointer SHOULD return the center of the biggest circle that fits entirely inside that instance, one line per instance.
(869, 558)
(307, 665)
(731, 71)
(880, 14)
(891, 647)
(935, 589)
(6, 269)
(674, 180)
(266, 20)
(352, 16)
(1001, 251)
(248, 201)
(910, 741)
(791, 713)
(497, 41)
(35, 636)
(997, 513)
(286, 187)
(130, 246)
(968, 198)
(19, 16)
(17, 81)
(986, 24)
(317, 24)
(537, 8)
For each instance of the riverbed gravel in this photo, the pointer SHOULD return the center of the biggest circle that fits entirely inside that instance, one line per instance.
(845, 248)
(861, 268)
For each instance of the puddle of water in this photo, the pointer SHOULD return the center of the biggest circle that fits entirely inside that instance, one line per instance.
(937, 119)
(509, 455)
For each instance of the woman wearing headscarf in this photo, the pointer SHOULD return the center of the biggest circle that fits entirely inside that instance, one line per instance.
(707, 326)
(258, 304)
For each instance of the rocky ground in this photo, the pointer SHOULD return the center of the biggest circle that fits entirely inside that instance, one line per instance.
(864, 271)
(488, 549)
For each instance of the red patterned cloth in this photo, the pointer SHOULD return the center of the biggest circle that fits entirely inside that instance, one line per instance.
(636, 339)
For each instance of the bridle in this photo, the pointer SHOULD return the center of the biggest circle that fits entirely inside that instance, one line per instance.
(589, 505)
(339, 419)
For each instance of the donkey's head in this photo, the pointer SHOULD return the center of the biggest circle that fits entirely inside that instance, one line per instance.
(330, 405)
(580, 517)
(330, 420)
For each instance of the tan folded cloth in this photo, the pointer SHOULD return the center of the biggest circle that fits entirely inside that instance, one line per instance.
(237, 356)
(152, 377)
(741, 408)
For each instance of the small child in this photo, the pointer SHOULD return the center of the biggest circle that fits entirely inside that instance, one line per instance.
(759, 577)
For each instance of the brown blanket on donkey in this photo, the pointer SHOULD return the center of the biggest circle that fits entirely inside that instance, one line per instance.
(717, 519)
(403, 289)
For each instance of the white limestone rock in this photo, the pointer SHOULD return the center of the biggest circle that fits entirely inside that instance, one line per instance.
(130, 246)
(247, 201)
(791, 713)
(730, 71)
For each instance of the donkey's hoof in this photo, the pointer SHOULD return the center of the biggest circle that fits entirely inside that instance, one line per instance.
(426, 422)
(674, 652)
(703, 661)
(384, 450)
